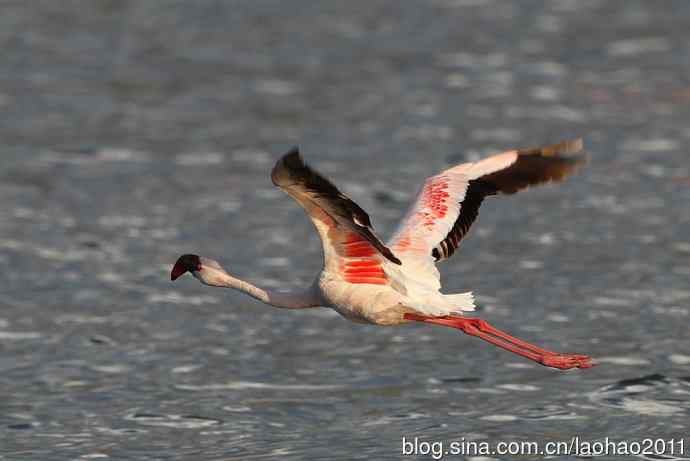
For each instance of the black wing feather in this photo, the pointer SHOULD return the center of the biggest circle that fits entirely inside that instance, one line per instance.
(533, 166)
(477, 190)
(291, 170)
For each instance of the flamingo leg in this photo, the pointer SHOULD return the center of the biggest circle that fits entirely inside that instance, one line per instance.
(481, 329)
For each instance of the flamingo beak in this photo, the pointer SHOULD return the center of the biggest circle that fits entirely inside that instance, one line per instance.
(178, 269)
(185, 263)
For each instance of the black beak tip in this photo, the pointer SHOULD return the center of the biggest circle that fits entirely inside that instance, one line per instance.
(177, 270)
(184, 264)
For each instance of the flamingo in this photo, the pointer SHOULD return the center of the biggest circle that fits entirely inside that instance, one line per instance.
(368, 281)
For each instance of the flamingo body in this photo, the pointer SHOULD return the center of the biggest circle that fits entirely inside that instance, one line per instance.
(368, 281)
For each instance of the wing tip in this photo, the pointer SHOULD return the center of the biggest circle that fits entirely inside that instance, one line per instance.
(572, 150)
(571, 146)
(392, 257)
(294, 150)
(567, 153)
(288, 161)
(563, 149)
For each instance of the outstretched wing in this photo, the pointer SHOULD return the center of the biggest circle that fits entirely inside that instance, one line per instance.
(350, 245)
(449, 202)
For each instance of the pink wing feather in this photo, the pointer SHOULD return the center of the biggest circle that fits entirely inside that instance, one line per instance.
(448, 202)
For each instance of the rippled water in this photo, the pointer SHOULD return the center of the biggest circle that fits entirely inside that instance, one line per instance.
(133, 132)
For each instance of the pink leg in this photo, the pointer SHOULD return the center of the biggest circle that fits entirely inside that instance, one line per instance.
(482, 330)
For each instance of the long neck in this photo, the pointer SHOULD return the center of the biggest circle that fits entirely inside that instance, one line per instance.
(287, 300)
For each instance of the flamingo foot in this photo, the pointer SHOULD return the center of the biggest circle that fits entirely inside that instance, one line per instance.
(482, 330)
(566, 361)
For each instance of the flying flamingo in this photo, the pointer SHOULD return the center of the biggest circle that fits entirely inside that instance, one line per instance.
(368, 281)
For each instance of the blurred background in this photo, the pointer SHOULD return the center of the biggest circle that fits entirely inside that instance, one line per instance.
(132, 132)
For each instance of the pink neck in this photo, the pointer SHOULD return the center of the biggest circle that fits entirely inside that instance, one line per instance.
(283, 299)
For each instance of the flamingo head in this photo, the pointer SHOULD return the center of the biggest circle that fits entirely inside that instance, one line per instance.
(186, 263)
(205, 270)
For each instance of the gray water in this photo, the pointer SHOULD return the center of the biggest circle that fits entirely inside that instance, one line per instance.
(133, 132)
